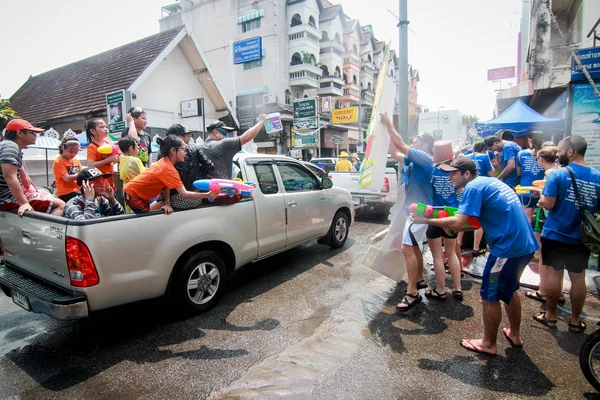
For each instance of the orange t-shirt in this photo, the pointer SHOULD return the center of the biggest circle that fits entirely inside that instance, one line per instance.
(63, 167)
(93, 156)
(152, 181)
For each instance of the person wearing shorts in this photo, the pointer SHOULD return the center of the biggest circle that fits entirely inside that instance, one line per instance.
(16, 190)
(530, 170)
(418, 189)
(562, 248)
(512, 244)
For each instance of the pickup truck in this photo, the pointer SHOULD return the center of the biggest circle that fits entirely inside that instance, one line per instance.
(68, 269)
(380, 199)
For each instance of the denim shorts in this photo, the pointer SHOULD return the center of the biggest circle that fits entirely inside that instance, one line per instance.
(501, 277)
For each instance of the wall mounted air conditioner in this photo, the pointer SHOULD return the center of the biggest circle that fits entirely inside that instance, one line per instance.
(269, 98)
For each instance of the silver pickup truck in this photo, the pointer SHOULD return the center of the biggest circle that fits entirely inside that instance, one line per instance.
(67, 269)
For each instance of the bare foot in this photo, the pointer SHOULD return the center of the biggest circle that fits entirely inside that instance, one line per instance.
(477, 346)
(514, 341)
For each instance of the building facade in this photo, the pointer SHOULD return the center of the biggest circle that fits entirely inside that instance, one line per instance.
(310, 48)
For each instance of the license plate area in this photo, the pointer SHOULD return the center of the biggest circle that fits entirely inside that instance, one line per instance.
(21, 300)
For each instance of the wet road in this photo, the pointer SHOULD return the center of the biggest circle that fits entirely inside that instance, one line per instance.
(310, 323)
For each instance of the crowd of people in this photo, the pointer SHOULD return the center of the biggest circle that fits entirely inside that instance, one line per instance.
(480, 182)
(86, 193)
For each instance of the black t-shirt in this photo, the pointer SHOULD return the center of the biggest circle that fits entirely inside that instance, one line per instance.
(195, 166)
(221, 153)
(144, 145)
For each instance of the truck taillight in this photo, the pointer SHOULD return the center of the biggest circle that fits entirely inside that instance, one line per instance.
(82, 270)
(329, 176)
(386, 185)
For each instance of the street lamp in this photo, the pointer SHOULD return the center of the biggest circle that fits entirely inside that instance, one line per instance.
(438, 118)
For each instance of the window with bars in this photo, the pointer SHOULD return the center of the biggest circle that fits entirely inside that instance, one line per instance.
(251, 25)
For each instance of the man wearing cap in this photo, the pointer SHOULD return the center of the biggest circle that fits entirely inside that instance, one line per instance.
(418, 190)
(343, 165)
(508, 154)
(195, 166)
(512, 244)
(220, 149)
(16, 192)
(98, 198)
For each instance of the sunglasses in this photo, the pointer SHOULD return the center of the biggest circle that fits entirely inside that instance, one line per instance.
(223, 132)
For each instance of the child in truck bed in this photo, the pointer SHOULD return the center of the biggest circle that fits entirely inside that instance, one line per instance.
(162, 176)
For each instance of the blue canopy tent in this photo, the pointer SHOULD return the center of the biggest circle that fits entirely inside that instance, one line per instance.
(521, 120)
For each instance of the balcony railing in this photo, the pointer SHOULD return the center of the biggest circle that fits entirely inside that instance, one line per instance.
(368, 66)
(305, 75)
(333, 44)
(367, 97)
(331, 86)
(304, 31)
(327, 50)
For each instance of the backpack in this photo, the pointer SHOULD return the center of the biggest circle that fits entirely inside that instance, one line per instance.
(589, 230)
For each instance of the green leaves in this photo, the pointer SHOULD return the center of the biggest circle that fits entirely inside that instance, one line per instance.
(6, 113)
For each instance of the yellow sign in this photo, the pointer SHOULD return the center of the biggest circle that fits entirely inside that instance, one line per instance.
(344, 115)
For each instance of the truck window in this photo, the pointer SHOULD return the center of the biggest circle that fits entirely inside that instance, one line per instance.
(296, 179)
(266, 179)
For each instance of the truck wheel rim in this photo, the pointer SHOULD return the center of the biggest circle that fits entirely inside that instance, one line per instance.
(203, 283)
(341, 228)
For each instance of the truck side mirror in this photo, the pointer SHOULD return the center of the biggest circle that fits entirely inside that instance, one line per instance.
(327, 183)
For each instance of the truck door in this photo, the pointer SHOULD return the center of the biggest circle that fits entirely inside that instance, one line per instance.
(270, 208)
(306, 203)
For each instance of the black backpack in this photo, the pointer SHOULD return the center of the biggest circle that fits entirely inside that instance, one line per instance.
(589, 230)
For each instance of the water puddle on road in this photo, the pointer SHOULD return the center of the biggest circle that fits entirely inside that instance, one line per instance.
(335, 337)
(19, 336)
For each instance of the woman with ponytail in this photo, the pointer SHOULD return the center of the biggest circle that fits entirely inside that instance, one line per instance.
(97, 135)
(162, 176)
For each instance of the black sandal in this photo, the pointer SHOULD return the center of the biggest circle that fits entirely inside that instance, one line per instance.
(417, 299)
(537, 296)
(458, 294)
(422, 284)
(479, 252)
(577, 328)
(434, 294)
(541, 318)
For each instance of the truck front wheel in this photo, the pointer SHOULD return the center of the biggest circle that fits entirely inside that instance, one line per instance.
(201, 281)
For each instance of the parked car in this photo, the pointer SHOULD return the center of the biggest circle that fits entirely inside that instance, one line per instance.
(320, 172)
(67, 269)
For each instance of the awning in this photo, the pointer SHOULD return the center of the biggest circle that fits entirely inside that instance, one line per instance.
(254, 90)
(254, 14)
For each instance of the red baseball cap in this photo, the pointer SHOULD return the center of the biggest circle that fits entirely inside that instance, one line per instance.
(21, 125)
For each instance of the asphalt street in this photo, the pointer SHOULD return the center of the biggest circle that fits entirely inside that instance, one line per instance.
(309, 323)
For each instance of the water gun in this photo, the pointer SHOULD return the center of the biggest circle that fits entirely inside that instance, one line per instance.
(431, 212)
(538, 186)
(225, 187)
(109, 149)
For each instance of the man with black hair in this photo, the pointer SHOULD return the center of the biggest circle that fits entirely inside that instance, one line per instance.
(512, 244)
(509, 151)
(137, 122)
(561, 243)
(419, 189)
(97, 198)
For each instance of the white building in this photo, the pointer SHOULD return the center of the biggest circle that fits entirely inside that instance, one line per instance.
(445, 124)
(310, 48)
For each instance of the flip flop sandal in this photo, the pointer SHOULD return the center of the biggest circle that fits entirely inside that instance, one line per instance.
(422, 284)
(518, 346)
(434, 294)
(458, 294)
(469, 345)
(417, 299)
(541, 318)
(577, 328)
(478, 253)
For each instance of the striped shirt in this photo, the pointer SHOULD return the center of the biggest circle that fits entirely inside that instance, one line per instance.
(80, 208)
(9, 154)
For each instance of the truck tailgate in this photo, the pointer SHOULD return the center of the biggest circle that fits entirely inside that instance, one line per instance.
(36, 244)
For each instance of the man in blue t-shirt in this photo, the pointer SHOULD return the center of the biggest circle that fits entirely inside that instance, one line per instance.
(482, 159)
(561, 245)
(512, 244)
(418, 189)
(508, 153)
(530, 170)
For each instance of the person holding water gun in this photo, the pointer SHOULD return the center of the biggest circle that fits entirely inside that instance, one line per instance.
(444, 194)
(162, 176)
(530, 170)
(512, 244)
(97, 135)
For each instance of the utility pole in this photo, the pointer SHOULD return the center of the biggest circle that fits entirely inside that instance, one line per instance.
(403, 59)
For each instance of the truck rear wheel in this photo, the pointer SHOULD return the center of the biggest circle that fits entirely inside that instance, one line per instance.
(201, 281)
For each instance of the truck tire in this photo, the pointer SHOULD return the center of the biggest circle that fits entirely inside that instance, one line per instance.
(200, 282)
(338, 232)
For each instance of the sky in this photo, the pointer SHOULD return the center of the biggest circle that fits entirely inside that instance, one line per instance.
(451, 43)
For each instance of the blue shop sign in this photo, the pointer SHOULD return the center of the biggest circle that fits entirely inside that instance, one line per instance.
(247, 50)
(590, 58)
